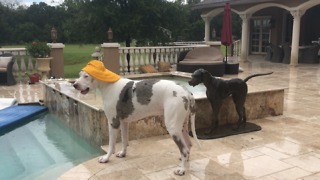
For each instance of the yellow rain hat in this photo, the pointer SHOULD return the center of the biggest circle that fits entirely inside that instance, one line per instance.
(96, 69)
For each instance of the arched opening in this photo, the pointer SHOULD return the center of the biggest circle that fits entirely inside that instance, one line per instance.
(310, 26)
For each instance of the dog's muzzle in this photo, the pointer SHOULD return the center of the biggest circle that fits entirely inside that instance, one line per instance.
(85, 91)
(192, 83)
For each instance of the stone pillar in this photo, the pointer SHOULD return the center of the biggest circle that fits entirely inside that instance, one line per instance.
(57, 63)
(244, 37)
(295, 36)
(207, 28)
(111, 56)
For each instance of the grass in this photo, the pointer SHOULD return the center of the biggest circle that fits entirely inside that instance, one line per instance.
(75, 57)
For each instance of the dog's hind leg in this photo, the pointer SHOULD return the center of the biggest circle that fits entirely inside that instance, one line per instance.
(124, 126)
(239, 103)
(174, 121)
(179, 139)
(113, 132)
(185, 133)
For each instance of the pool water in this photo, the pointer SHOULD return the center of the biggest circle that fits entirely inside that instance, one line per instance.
(42, 149)
(183, 81)
(197, 91)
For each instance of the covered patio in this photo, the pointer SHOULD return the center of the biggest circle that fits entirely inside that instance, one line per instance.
(268, 21)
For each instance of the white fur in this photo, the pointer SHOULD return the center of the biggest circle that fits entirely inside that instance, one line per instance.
(162, 102)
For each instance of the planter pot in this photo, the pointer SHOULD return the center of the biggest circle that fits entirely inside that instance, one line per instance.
(232, 65)
(232, 68)
(44, 66)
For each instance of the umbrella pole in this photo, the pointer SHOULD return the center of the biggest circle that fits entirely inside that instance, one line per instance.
(227, 54)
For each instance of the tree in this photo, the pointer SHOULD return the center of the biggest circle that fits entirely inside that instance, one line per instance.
(87, 21)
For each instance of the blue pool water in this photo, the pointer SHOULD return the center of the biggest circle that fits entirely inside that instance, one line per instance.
(42, 149)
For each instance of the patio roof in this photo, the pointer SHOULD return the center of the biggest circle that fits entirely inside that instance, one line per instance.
(220, 3)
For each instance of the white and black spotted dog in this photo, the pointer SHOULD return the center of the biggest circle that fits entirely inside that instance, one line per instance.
(128, 100)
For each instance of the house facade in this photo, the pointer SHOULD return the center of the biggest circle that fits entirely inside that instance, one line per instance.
(269, 21)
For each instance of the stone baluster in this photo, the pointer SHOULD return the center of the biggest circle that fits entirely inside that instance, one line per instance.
(158, 54)
(123, 62)
(136, 60)
(166, 54)
(127, 65)
(148, 54)
(16, 69)
(131, 62)
(142, 56)
(162, 54)
(30, 65)
(176, 54)
(172, 55)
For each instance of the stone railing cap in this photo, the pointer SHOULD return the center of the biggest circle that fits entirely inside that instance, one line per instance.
(110, 45)
(56, 45)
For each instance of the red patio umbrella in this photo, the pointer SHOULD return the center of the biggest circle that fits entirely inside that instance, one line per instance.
(226, 33)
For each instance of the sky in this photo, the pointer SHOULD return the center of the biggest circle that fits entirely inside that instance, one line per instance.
(49, 2)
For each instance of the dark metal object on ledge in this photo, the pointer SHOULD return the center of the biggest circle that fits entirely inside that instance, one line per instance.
(110, 34)
(54, 35)
(6, 69)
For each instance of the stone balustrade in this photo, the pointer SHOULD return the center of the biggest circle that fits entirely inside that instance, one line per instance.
(24, 63)
(129, 59)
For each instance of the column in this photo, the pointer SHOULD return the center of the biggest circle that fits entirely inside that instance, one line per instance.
(57, 63)
(244, 37)
(207, 28)
(111, 56)
(295, 36)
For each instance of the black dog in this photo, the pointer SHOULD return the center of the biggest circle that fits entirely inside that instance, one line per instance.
(219, 89)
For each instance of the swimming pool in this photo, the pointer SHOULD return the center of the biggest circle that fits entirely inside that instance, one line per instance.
(42, 149)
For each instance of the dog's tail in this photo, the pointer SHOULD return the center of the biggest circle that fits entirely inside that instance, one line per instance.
(192, 119)
(254, 75)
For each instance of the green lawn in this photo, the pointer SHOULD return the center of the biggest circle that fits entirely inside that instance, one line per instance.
(75, 57)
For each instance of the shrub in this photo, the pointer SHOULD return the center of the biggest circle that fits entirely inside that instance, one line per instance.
(38, 49)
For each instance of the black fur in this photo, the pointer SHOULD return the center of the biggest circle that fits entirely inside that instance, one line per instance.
(219, 89)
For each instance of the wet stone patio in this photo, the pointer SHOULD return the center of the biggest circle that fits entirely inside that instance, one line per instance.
(287, 147)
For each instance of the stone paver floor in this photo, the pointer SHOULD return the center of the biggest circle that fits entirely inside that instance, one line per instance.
(287, 147)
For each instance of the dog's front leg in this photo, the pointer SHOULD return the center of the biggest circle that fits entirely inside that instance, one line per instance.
(113, 132)
(124, 137)
(216, 106)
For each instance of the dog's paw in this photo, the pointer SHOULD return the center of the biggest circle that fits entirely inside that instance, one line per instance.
(121, 154)
(103, 159)
(180, 171)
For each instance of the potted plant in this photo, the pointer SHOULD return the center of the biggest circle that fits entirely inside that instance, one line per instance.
(40, 51)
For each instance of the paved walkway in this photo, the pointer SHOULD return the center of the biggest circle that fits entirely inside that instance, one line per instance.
(287, 147)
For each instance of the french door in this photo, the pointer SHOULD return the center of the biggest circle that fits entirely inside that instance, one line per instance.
(260, 35)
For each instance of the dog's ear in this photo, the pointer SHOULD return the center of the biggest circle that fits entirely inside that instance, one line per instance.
(203, 71)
